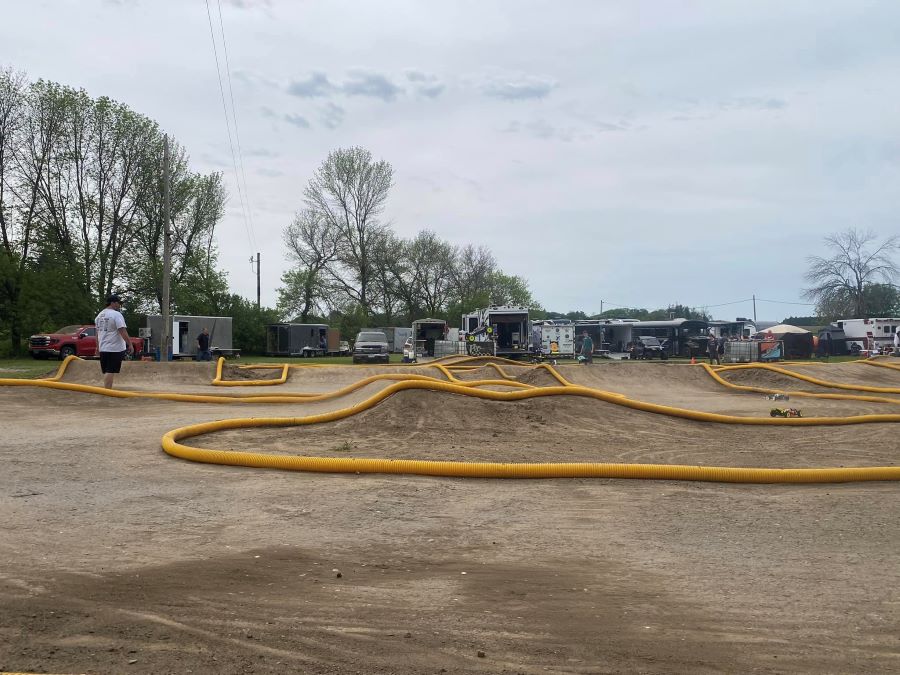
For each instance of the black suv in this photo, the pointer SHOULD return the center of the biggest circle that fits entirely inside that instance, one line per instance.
(371, 347)
(648, 347)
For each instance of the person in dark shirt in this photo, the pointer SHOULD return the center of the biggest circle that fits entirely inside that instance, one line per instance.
(712, 346)
(203, 353)
(587, 348)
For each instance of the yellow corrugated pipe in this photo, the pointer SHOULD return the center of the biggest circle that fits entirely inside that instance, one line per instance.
(809, 378)
(171, 445)
(714, 373)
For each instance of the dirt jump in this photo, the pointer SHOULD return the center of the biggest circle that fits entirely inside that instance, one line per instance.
(119, 556)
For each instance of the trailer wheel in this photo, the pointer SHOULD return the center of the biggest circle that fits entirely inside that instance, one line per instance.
(854, 349)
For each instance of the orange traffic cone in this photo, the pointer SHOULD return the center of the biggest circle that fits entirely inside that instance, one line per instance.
(693, 360)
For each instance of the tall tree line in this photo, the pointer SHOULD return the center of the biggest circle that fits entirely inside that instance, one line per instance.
(81, 210)
(351, 265)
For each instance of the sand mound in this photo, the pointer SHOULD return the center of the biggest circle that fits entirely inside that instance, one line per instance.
(144, 373)
(432, 425)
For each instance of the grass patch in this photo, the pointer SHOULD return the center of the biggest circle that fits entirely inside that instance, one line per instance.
(346, 446)
(27, 368)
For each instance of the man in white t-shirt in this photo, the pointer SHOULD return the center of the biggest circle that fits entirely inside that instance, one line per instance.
(897, 342)
(112, 339)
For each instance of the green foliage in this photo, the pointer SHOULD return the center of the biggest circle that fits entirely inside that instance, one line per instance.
(677, 311)
(81, 213)
(875, 300)
(249, 323)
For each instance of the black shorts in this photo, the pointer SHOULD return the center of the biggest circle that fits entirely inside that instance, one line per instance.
(111, 362)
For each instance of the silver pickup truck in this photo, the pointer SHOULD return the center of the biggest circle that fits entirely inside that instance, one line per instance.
(371, 347)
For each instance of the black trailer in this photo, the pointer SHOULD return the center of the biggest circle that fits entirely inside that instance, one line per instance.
(296, 339)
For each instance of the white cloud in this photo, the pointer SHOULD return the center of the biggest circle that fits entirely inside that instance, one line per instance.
(370, 84)
(632, 132)
(518, 89)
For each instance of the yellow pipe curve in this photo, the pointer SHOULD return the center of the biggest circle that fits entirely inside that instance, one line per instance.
(171, 445)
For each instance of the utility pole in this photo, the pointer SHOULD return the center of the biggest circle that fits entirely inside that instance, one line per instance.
(754, 308)
(601, 308)
(257, 277)
(167, 254)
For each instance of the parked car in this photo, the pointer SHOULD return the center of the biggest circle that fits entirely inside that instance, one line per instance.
(371, 347)
(75, 340)
(648, 347)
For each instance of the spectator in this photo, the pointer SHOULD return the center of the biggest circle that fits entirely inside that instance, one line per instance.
(203, 353)
(712, 346)
(112, 339)
(587, 348)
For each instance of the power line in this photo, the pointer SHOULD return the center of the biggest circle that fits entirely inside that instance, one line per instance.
(785, 302)
(251, 240)
(237, 136)
(725, 304)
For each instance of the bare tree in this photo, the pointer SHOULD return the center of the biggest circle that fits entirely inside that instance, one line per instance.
(390, 280)
(313, 243)
(349, 191)
(471, 274)
(858, 261)
(431, 262)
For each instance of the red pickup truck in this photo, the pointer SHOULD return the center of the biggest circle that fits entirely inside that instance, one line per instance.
(71, 341)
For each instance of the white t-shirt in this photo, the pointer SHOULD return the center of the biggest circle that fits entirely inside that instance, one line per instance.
(108, 323)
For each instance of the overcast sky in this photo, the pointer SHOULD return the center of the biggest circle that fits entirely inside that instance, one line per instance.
(637, 153)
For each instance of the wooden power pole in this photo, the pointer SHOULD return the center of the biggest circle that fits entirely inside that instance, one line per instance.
(167, 254)
(257, 281)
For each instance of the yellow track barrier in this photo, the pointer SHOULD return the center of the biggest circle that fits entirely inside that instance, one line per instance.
(880, 364)
(404, 382)
(714, 373)
(809, 378)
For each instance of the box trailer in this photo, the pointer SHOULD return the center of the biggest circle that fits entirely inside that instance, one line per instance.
(608, 335)
(869, 336)
(501, 330)
(396, 337)
(554, 338)
(185, 330)
(297, 339)
(428, 331)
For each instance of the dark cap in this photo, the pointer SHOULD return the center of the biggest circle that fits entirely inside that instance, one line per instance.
(110, 299)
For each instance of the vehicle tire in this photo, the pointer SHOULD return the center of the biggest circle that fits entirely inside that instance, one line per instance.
(68, 350)
(854, 349)
(664, 356)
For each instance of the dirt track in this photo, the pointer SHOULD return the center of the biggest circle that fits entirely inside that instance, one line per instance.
(115, 553)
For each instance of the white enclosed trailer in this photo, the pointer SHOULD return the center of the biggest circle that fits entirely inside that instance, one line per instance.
(869, 336)
(185, 330)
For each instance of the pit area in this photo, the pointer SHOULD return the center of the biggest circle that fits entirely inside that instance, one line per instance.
(117, 557)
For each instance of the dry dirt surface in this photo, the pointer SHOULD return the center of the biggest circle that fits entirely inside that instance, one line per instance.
(116, 558)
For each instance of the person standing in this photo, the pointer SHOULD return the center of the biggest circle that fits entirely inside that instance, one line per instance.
(587, 348)
(897, 342)
(203, 353)
(112, 339)
(712, 346)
